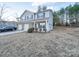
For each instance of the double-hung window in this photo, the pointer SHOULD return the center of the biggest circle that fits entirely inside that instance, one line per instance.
(27, 17)
(40, 15)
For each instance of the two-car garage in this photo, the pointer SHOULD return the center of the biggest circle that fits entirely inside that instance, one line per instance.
(23, 27)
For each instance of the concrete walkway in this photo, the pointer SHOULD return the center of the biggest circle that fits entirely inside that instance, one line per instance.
(8, 33)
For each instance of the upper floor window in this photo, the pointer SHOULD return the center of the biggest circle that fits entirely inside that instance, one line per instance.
(40, 15)
(35, 16)
(27, 17)
(31, 17)
(43, 15)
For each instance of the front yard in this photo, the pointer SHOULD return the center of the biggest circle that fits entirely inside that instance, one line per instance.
(62, 41)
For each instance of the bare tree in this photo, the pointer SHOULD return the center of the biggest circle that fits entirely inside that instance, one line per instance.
(2, 11)
(39, 8)
(17, 17)
(44, 8)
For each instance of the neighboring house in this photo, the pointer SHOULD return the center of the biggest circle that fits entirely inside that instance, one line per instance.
(70, 20)
(8, 23)
(40, 21)
(64, 18)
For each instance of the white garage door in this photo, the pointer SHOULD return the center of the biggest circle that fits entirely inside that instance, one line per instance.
(19, 27)
(26, 27)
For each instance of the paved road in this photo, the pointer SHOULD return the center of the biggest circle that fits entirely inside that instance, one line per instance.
(8, 33)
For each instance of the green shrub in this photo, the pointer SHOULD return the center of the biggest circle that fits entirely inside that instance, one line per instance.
(30, 30)
(58, 24)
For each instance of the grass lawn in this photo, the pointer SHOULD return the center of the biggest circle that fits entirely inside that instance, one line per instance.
(62, 41)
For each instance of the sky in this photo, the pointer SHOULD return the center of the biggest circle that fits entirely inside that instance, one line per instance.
(15, 9)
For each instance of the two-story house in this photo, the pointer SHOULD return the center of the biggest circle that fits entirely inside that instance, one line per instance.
(41, 21)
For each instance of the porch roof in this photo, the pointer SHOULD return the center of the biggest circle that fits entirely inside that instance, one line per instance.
(39, 20)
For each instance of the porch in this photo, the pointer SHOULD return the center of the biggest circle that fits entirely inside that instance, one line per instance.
(38, 25)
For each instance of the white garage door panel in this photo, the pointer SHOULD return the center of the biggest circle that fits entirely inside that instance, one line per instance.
(26, 27)
(19, 27)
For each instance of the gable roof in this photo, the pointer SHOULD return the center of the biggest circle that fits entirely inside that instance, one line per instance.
(35, 12)
(25, 12)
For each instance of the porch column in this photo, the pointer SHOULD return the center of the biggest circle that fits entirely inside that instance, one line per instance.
(38, 27)
(34, 25)
(46, 25)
